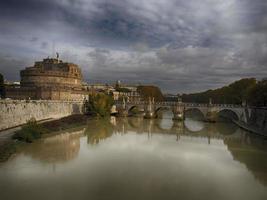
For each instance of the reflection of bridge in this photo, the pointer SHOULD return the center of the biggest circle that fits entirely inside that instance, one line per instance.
(225, 131)
(244, 147)
(210, 112)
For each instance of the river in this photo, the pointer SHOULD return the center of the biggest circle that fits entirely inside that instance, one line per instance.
(135, 158)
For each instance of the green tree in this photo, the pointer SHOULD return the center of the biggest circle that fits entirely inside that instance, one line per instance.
(234, 93)
(99, 104)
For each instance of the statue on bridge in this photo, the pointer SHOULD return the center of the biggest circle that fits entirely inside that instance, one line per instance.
(178, 110)
(149, 109)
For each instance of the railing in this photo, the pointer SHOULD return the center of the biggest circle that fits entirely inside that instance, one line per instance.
(39, 101)
(169, 103)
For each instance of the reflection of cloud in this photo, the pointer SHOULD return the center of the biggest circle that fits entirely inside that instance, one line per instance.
(133, 166)
(194, 126)
(166, 123)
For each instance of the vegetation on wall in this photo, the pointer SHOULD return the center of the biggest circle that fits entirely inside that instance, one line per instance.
(234, 93)
(2, 86)
(150, 91)
(99, 104)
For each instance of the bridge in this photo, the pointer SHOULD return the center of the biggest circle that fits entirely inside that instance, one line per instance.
(210, 112)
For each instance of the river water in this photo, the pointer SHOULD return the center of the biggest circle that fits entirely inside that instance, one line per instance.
(134, 158)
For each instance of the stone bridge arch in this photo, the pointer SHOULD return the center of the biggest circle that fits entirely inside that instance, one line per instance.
(161, 108)
(131, 107)
(202, 112)
(229, 114)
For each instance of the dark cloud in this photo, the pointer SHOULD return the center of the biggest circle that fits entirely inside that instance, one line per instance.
(181, 45)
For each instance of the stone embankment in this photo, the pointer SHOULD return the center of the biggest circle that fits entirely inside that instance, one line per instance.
(17, 112)
(257, 121)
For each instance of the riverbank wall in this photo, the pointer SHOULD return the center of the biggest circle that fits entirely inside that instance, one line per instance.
(17, 112)
(257, 121)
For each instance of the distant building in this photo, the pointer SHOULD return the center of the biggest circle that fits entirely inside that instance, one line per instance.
(50, 79)
(99, 87)
(170, 97)
(129, 92)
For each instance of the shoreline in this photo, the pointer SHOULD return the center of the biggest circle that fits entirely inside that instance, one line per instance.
(250, 129)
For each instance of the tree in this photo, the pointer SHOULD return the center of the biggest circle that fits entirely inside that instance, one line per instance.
(234, 93)
(99, 104)
(258, 94)
(150, 92)
(2, 87)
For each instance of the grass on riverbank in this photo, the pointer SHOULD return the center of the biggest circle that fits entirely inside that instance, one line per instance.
(33, 130)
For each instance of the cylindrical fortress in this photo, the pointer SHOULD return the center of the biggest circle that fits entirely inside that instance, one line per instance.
(50, 79)
(52, 73)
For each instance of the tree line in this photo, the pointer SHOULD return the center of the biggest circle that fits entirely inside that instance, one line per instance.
(248, 90)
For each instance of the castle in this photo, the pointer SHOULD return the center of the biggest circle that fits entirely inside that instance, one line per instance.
(50, 79)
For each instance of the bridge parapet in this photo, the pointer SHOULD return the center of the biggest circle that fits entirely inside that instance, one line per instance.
(172, 103)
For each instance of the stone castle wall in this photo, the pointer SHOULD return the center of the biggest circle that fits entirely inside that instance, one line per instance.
(50, 80)
(47, 93)
(17, 112)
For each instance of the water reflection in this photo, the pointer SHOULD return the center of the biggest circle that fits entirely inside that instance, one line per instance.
(136, 158)
(98, 130)
(244, 147)
(62, 147)
(168, 126)
(193, 125)
(252, 152)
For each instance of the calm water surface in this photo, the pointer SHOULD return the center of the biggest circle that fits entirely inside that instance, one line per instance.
(133, 158)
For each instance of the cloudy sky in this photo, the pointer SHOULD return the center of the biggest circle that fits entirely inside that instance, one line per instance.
(179, 45)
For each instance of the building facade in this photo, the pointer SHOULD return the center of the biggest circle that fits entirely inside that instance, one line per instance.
(50, 79)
